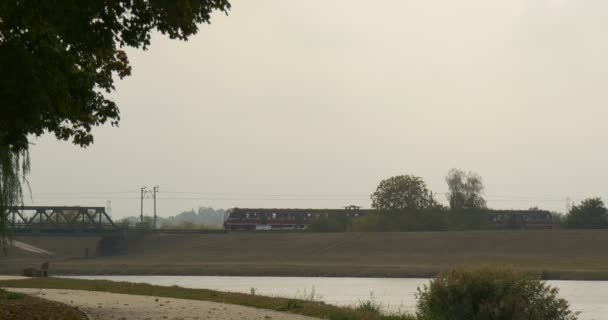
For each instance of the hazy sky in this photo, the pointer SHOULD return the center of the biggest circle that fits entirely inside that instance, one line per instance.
(310, 103)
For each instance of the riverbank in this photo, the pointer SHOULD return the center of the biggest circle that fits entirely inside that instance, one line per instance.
(66, 269)
(308, 308)
(105, 305)
(554, 254)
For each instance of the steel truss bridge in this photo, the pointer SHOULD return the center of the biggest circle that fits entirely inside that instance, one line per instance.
(37, 219)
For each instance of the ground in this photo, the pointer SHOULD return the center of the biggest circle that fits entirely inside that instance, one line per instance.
(104, 305)
(558, 254)
(124, 300)
(17, 306)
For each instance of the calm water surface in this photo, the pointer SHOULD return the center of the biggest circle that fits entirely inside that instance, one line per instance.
(590, 297)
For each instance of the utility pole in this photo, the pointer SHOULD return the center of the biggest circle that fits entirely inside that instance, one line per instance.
(155, 190)
(143, 192)
(109, 207)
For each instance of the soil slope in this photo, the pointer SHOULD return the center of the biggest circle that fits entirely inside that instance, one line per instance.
(559, 253)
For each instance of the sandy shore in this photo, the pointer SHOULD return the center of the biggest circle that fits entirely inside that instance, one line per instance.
(3, 277)
(113, 306)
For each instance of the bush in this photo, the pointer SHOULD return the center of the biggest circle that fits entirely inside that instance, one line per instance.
(404, 220)
(589, 214)
(6, 295)
(370, 306)
(490, 294)
(468, 219)
(335, 223)
(110, 245)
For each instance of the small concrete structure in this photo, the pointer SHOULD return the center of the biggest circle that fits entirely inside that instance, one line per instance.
(43, 272)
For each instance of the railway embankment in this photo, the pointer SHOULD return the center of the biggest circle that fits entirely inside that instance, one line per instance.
(556, 254)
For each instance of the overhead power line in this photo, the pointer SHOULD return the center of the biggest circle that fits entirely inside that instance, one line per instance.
(271, 194)
(244, 196)
(193, 198)
(89, 192)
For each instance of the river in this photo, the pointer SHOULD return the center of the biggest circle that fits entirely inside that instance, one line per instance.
(394, 295)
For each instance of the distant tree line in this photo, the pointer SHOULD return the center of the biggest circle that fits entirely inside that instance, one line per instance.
(591, 213)
(202, 218)
(409, 192)
(404, 203)
(438, 219)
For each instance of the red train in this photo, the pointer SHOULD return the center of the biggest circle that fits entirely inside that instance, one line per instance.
(282, 219)
(300, 219)
(521, 219)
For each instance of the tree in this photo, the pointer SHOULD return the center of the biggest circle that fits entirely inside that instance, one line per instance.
(405, 192)
(589, 214)
(14, 167)
(465, 190)
(490, 293)
(58, 61)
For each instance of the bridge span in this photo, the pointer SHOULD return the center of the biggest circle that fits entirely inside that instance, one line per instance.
(60, 219)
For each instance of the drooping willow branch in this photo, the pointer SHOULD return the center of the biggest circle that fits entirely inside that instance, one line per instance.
(14, 167)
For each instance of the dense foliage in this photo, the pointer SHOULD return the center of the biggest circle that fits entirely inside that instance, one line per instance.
(405, 192)
(423, 220)
(465, 190)
(332, 223)
(58, 58)
(408, 220)
(589, 214)
(438, 219)
(490, 294)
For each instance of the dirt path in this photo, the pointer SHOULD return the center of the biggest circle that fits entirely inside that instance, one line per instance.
(113, 306)
(3, 277)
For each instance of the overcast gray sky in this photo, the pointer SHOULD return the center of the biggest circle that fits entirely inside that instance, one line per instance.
(310, 103)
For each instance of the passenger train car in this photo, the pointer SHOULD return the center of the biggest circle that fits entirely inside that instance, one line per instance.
(521, 219)
(299, 219)
(282, 219)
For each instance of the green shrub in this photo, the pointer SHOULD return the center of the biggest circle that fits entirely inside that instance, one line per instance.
(370, 306)
(404, 220)
(490, 294)
(6, 295)
(110, 245)
(468, 219)
(335, 223)
(291, 305)
(589, 214)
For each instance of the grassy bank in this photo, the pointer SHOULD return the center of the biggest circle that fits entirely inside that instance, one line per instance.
(304, 271)
(366, 311)
(15, 306)
(554, 254)
(67, 268)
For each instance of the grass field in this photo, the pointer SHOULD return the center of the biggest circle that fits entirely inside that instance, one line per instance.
(366, 311)
(557, 254)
